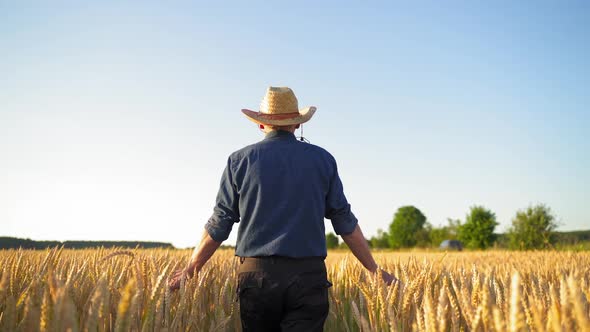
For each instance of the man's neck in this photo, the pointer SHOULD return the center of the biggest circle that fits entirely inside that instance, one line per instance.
(288, 130)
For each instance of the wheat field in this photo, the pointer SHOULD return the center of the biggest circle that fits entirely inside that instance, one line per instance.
(122, 290)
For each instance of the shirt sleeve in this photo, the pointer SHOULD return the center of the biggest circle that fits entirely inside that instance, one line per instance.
(226, 211)
(337, 208)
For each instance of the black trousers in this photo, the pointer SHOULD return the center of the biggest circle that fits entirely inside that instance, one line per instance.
(283, 294)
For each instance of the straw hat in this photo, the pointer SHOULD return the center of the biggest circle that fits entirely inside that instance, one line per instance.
(279, 108)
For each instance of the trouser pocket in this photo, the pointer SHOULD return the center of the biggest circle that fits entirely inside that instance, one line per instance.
(311, 289)
(260, 301)
(307, 303)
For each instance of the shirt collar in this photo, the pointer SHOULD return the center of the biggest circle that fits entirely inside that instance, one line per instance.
(279, 134)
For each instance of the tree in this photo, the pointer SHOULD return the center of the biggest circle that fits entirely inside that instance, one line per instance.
(331, 241)
(408, 223)
(532, 228)
(381, 241)
(478, 230)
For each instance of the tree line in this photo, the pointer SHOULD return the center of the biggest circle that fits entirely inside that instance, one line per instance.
(532, 228)
(15, 243)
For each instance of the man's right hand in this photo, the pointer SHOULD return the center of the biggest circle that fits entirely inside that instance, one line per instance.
(200, 256)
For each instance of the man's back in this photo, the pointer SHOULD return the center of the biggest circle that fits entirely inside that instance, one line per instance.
(280, 190)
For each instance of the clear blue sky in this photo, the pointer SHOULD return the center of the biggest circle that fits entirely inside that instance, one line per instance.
(116, 118)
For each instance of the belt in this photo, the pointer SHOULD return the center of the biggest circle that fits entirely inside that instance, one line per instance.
(282, 264)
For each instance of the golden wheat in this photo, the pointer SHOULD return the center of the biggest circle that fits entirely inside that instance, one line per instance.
(125, 290)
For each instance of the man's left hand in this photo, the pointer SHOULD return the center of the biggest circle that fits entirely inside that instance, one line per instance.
(387, 278)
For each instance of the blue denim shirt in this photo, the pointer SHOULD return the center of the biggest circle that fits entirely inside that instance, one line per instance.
(279, 190)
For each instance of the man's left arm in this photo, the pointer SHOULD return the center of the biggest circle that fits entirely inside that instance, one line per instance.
(360, 249)
(346, 225)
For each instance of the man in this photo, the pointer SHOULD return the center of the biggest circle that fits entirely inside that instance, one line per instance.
(280, 190)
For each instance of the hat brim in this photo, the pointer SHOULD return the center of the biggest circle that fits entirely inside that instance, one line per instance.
(302, 116)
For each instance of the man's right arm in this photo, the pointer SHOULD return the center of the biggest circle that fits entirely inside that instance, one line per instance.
(217, 228)
(200, 256)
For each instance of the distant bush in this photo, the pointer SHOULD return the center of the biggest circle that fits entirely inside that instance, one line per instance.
(407, 227)
(381, 241)
(532, 228)
(332, 241)
(478, 230)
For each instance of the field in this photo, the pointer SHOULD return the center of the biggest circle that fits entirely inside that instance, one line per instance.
(105, 290)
